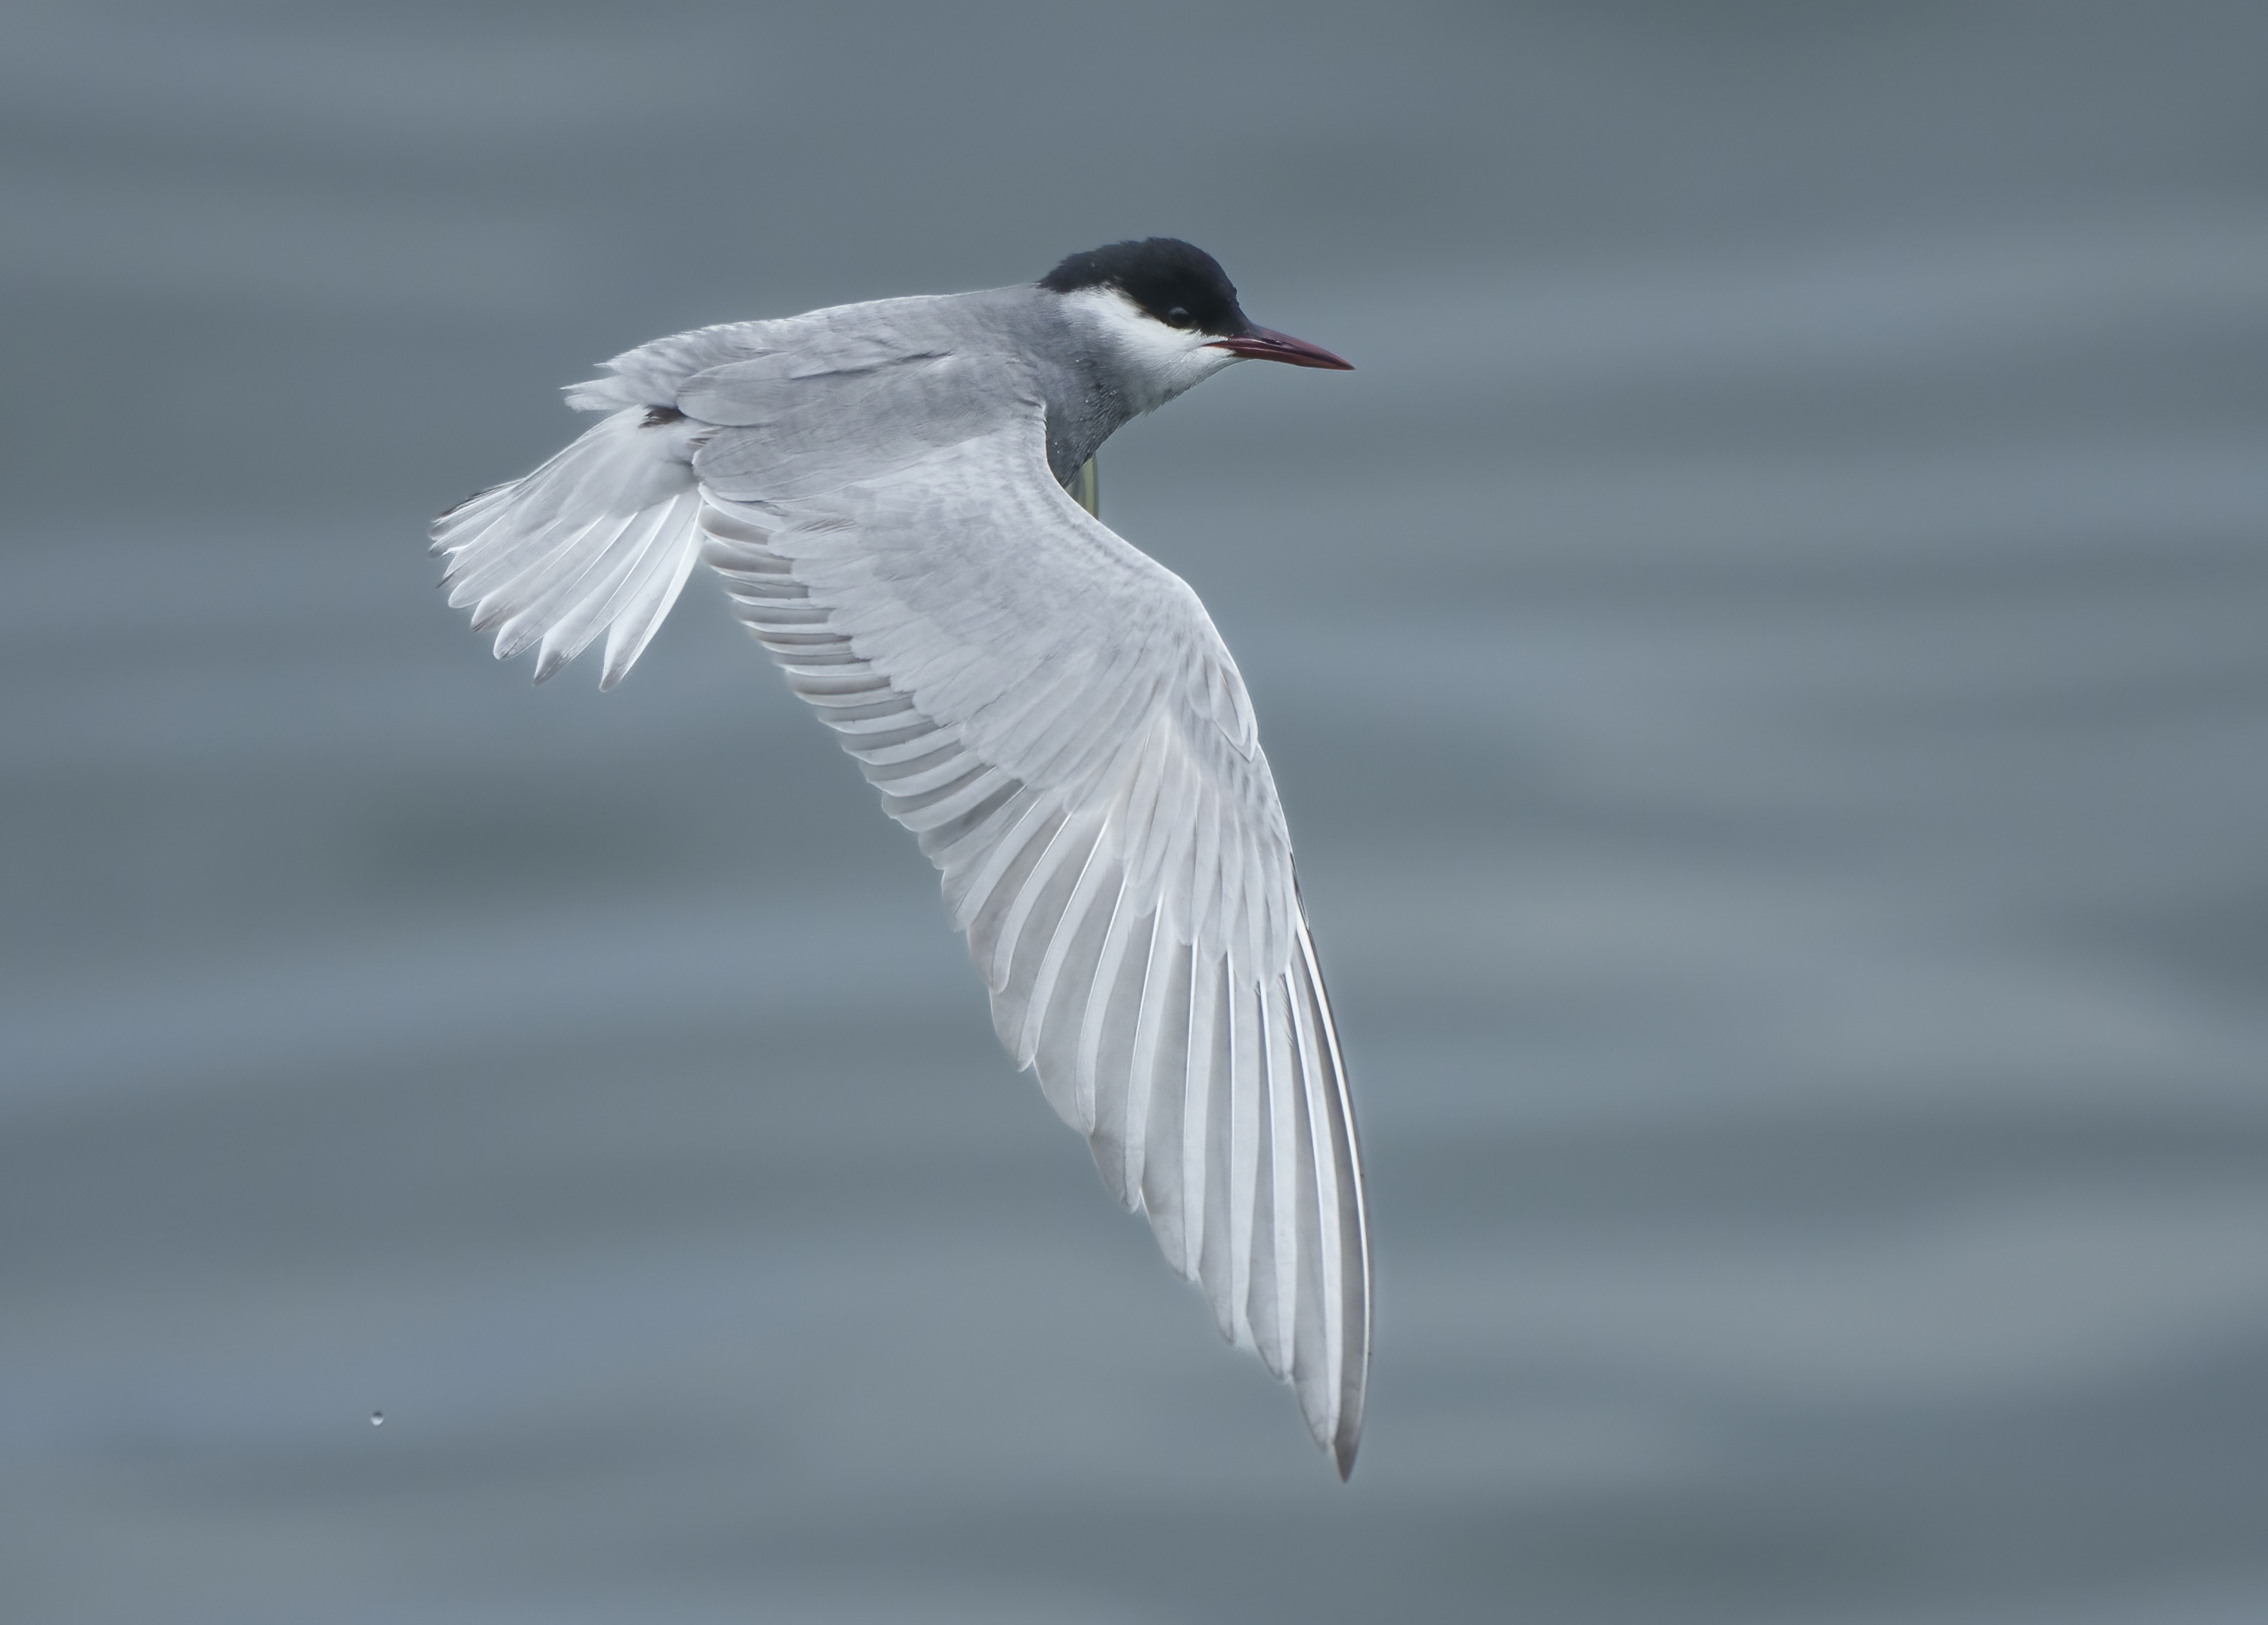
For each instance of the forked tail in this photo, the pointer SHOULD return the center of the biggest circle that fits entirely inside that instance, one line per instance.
(599, 539)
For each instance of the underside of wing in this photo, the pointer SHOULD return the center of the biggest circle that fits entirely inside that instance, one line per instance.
(1053, 715)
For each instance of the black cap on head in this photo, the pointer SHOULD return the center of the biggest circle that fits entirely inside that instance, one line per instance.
(1178, 283)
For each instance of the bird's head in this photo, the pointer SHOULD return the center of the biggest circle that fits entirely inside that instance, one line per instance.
(1171, 313)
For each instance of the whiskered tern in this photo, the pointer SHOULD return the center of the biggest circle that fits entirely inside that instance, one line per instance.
(882, 490)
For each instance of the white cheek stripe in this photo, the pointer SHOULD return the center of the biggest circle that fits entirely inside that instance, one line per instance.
(1160, 362)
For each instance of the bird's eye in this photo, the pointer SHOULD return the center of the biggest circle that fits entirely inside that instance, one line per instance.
(1178, 318)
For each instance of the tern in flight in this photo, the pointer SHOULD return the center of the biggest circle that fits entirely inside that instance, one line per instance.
(881, 488)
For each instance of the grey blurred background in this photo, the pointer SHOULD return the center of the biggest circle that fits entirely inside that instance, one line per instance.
(1767, 662)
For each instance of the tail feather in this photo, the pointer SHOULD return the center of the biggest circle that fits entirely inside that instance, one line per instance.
(600, 539)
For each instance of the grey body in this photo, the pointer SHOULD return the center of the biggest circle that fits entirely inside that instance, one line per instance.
(1088, 388)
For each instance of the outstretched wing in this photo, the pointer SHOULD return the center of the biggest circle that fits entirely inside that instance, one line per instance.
(1052, 712)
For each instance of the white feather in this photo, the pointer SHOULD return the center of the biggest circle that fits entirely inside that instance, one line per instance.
(601, 538)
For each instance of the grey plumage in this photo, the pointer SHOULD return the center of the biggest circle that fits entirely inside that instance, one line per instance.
(880, 488)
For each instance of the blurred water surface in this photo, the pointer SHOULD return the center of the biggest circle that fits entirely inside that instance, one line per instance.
(1765, 664)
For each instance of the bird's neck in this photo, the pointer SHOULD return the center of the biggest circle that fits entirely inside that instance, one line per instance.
(1085, 407)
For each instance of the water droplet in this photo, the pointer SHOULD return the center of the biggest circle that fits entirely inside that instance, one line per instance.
(378, 1419)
